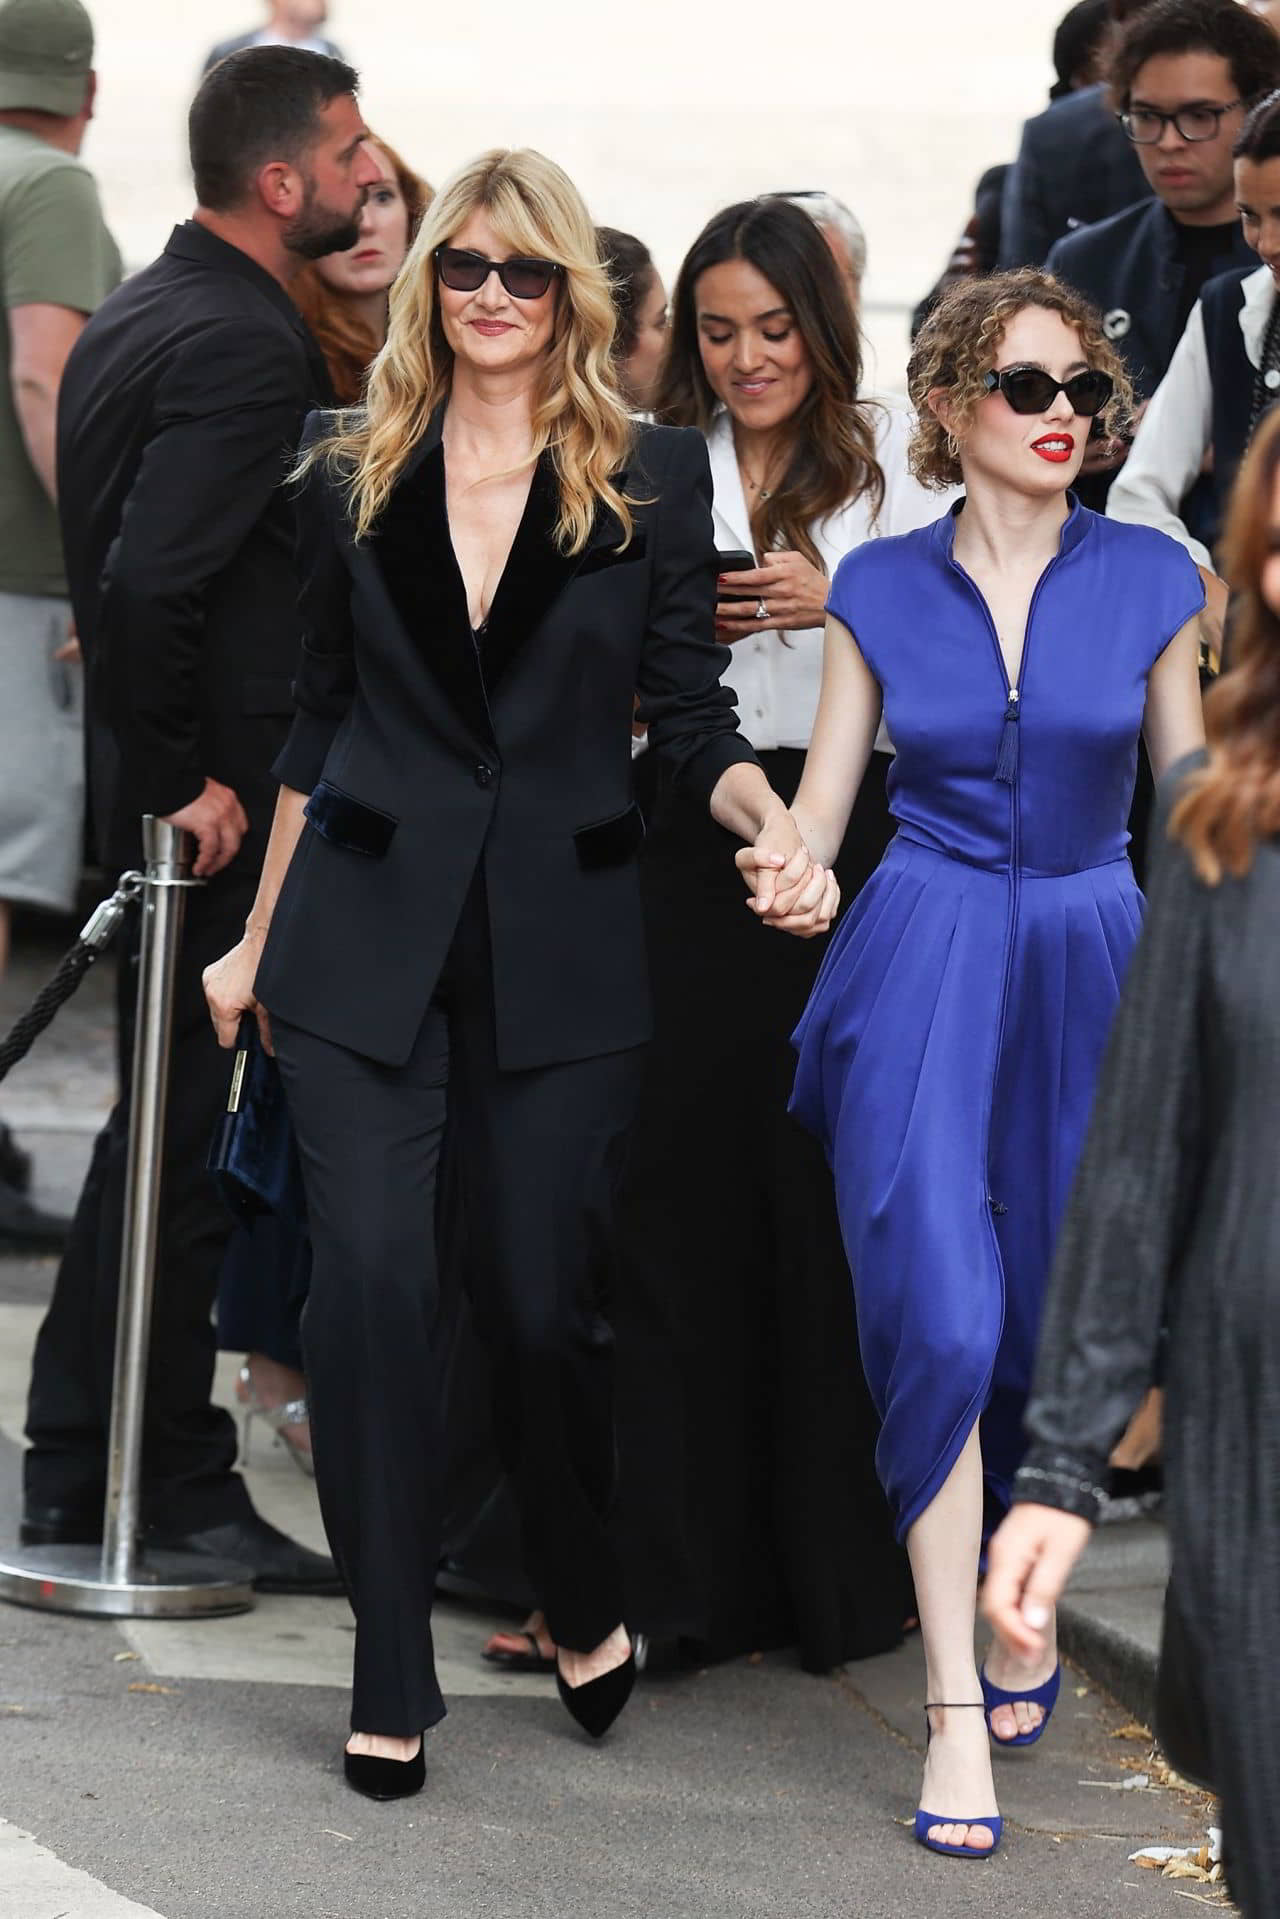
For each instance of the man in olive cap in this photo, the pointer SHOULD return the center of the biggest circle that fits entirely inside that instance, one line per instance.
(57, 264)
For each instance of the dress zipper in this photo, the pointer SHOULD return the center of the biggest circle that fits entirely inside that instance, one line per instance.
(1008, 768)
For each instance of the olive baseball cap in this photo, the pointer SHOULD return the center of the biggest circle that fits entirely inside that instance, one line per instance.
(46, 54)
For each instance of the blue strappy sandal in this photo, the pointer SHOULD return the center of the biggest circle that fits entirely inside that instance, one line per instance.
(924, 1820)
(1045, 1696)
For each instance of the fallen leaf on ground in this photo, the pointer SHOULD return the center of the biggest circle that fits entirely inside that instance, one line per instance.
(1132, 1730)
(121, 1657)
(149, 1685)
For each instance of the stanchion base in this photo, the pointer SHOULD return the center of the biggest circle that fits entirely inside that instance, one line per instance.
(165, 1586)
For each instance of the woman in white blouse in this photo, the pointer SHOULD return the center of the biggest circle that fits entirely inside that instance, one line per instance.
(751, 1511)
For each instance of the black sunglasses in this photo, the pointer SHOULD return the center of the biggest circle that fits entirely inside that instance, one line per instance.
(467, 272)
(1029, 389)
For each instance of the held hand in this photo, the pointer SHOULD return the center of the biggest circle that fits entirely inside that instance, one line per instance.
(228, 988)
(776, 867)
(793, 591)
(1028, 1564)
(813, 909)
(218, 821)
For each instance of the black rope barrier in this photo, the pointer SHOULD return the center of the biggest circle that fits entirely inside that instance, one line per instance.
(93, 940)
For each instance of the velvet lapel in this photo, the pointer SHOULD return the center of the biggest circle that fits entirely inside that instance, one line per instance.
(412, 546)
(536, 572)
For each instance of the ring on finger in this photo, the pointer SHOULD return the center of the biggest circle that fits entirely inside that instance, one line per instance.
(762, 611)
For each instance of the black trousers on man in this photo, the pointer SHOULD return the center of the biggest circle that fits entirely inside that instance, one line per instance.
(536, 1154)
(189, 1481)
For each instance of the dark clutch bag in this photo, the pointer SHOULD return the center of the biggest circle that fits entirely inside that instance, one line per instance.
(254, 1155)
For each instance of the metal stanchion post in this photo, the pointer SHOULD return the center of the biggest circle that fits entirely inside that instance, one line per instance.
(121, 1579)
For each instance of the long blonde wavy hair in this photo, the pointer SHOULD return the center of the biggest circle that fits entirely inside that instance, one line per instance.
(579, 413)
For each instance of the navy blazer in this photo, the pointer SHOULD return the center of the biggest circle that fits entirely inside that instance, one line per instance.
(1075, 165)
(425, 756)
(1128, 266)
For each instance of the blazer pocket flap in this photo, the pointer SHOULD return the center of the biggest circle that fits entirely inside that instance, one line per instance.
(345, 821)
(610, 842)
(262, 694)
(598, 557)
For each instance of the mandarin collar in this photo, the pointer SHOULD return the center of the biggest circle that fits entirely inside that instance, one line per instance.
(1075, 528)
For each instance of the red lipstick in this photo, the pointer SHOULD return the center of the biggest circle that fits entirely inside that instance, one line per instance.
(1054, 447)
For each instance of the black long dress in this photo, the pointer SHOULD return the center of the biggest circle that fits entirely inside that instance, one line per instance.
(1176, 1213)
(749, 1512)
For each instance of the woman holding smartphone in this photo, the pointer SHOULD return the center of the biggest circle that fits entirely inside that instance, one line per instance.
(731, 1242)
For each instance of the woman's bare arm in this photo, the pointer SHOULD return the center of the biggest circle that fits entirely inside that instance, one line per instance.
(228, 983)
(1173, 724)
(844, 734)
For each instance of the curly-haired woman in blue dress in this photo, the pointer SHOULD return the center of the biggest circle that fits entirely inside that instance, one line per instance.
(947, 1057)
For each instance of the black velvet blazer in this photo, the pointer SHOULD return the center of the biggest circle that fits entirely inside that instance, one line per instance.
(424, 755)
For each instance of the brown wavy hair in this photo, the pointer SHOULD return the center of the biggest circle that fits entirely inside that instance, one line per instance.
(579, 417)
(1230, 804)
(349, 346)
(959, 344)
(833, 440)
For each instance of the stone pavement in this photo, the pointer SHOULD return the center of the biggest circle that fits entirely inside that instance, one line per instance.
(166, 1770)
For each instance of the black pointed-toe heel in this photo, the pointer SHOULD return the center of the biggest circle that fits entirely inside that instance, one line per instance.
(386, 1778)
(597, 1704)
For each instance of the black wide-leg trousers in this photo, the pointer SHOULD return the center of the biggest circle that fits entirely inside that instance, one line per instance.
(536, 1157)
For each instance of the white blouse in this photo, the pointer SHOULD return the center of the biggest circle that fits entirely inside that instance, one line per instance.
(775, 676)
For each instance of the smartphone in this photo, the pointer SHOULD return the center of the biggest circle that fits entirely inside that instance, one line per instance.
(738, 561)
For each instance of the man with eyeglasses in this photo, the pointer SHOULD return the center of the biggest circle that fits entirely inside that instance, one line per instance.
(1183, 74)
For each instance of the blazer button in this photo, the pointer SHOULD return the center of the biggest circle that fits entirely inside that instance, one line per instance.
(484, 775)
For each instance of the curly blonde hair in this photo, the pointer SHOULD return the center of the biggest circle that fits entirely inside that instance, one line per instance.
(579, 412)
(959, 343)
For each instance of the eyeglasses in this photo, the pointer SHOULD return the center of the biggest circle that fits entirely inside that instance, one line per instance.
(467, 272)
(1146, 125)
(1029, 389)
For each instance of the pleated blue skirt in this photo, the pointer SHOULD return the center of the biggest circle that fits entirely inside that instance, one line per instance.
(947, 1059)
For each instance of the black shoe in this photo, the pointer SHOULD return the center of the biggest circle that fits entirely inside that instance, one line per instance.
(386, 1778)
(24, 1228)
(597, 1704)
(15, 1165)
(61, 1526)
(279, 1564)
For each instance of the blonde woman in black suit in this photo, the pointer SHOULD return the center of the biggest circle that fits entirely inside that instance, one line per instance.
(497, 557)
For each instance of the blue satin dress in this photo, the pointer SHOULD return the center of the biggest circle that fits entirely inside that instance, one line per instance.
(948, 1054)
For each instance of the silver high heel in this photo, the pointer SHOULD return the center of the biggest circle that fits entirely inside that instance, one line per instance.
(293, 1412)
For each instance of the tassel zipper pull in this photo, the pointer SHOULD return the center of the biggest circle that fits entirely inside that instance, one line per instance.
(1007, 761)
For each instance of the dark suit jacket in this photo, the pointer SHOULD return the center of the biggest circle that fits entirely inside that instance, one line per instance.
(180, 407)
(1129, 267)
(1075, 165)
(425, 755)
(242, 40)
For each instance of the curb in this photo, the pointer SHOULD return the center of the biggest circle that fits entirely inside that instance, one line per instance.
(1114, 1659)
